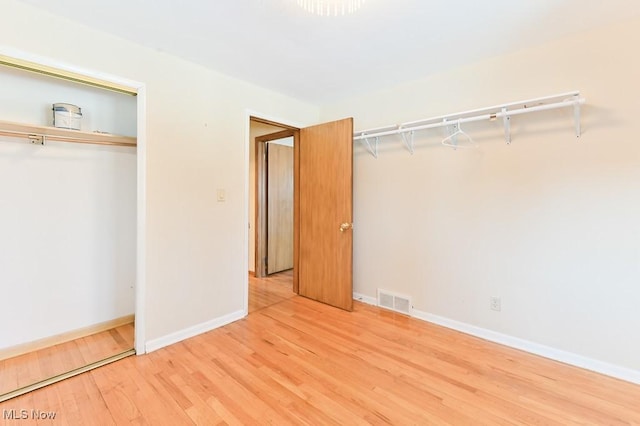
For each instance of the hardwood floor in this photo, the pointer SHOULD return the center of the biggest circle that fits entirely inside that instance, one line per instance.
(301, 362)
(268, 291)
(42, 364)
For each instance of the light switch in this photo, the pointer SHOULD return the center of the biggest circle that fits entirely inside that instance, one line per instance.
(222, 196)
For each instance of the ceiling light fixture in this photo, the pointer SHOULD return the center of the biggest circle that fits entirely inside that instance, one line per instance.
(331, 7)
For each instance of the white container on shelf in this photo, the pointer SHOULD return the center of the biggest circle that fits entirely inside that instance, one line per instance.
(67, 116)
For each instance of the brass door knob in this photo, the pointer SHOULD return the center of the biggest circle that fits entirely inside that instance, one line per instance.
(346, 226)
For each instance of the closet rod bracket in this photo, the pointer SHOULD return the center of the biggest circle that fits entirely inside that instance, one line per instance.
(373, 150)
(507, 126)
(409, 140)
(576, 118)
(37, 139)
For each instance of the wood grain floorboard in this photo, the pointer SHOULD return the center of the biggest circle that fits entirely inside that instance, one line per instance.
(270, 290)
(295, 361)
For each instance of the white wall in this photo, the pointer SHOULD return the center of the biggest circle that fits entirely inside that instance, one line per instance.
(67, 252)
(67, 213)
(549, 224)
(196, 260)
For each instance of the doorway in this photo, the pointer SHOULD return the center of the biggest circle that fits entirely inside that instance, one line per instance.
(274, 236)
(323, 210)
(270, 213)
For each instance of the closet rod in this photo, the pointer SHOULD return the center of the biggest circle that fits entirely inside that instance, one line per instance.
(40, 139)
(499, 111)
(40, 134)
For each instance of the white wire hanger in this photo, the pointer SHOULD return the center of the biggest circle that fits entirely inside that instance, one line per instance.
(453, 139)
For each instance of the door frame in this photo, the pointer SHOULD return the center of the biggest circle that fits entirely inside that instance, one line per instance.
(290, 125)
(260, 227)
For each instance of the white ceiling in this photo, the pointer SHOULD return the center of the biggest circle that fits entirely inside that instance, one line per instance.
(275, 44)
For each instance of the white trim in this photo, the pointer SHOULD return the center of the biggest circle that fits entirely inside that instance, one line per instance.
(140, 286)
(365, 299)
(245, 245)
(141, 233)
(570, 358)
(178, 336)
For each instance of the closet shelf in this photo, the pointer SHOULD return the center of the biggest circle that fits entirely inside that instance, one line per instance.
(40, 134)
(452, 121)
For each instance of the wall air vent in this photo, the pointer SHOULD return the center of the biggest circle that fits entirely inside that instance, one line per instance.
(395, 302)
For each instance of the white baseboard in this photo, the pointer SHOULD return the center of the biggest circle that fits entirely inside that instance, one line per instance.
(365, 299)
(570, 358)
(178, 336)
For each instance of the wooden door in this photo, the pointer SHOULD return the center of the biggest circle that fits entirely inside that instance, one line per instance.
(279, 207)
(324, 213)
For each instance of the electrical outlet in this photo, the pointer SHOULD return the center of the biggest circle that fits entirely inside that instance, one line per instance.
(495, 303)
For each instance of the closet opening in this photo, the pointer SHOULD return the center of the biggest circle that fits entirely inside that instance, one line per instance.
(70, 221)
